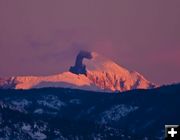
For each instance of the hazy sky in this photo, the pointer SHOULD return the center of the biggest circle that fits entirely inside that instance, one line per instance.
(42, 37)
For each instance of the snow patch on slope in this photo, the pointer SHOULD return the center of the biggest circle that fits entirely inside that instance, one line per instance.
(51, 102)
(116, 113)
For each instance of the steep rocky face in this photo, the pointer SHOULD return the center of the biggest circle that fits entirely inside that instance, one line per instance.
(90, 72)
(116, 82)
(107, 75)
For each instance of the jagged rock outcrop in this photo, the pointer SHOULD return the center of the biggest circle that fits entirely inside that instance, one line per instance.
(79, 67)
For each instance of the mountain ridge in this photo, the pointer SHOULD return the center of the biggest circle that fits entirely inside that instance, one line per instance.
(59, 113)
(91, 71)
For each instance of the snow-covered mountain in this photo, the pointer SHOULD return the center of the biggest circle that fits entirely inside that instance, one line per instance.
(90, 72)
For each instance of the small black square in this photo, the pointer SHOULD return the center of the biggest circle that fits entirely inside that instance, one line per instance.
(172, 132)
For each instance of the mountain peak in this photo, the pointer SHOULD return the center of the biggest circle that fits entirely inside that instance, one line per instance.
(92, 61)
(107, 74)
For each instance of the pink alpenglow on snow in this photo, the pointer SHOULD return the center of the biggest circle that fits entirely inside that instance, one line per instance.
(90, 72)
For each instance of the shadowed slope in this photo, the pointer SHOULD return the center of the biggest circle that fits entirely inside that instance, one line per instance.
(52, 113)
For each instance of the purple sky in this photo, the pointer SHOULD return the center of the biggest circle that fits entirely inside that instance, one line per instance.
(42, 37)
